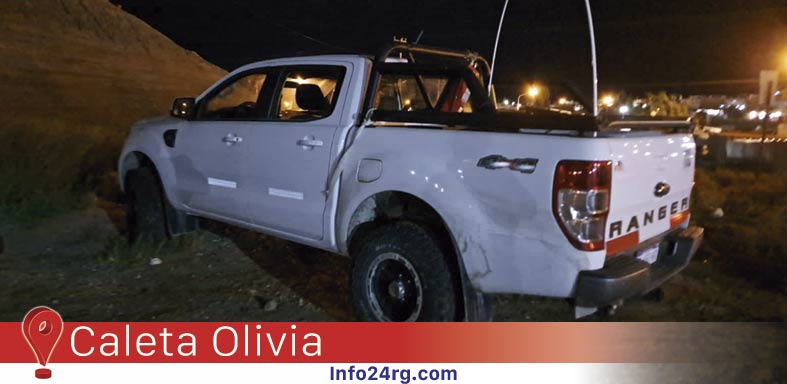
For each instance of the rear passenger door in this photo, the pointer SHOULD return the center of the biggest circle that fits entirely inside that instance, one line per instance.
(289, 160)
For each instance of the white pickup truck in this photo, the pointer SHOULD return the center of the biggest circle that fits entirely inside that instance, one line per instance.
(403, 163)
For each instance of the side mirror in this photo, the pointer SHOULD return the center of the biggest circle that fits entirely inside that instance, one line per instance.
(183, 107)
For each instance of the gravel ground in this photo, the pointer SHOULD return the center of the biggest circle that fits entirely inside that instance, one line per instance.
(79, 264)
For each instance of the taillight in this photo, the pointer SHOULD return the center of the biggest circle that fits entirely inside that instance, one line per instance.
(580, 201)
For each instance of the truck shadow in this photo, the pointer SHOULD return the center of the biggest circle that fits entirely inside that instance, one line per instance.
(319, 277)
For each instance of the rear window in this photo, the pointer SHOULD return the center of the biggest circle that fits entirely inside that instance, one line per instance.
(413, 93)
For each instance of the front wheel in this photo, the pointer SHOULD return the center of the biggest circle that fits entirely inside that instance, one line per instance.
(145, 215)
(400, 273)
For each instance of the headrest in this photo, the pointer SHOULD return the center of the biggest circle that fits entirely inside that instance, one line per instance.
(310, 97)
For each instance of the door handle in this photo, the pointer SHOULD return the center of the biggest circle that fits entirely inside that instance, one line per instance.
(231, 139)
(498, 162)
(307, 143)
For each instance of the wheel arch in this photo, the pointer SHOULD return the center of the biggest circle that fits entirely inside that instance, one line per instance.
(178, 222)
(388, 206)
(391, 205)
(134, 160)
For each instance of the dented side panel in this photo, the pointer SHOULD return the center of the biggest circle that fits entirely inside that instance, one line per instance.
(500, 219)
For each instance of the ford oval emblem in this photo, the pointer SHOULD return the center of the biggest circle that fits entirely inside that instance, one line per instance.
(661, 190)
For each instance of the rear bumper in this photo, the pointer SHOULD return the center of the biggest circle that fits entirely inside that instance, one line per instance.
(624, 277)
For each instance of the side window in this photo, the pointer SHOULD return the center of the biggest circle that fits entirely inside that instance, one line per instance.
(309, 92)
(236, 100)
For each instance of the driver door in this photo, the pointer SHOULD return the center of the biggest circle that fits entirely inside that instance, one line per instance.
(210, 155)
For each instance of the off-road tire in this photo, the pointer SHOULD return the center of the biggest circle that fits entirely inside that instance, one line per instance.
(145, 217)
(422, 250)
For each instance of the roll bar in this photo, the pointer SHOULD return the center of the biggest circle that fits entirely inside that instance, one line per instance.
(410, 49)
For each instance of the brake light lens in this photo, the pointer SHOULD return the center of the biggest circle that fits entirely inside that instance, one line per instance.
(581, 201)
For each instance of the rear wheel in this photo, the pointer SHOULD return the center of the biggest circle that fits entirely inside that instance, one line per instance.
(145, 209)
(400, 273)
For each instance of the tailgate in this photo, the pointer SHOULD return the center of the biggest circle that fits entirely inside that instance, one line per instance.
(652, 177)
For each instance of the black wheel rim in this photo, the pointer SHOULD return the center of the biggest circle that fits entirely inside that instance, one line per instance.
(394, 288)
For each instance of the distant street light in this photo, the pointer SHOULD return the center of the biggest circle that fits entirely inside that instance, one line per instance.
(532, 92)
(608, 100)
(518, 100)
(624, 109)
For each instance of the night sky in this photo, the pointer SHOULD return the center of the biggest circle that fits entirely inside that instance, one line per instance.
(682, 46)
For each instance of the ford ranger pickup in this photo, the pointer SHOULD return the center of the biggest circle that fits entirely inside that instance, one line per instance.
(403, 163)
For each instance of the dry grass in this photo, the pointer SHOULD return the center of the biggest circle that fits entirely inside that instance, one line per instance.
(751, 238)
(49, 166)
(75, 75)
(117, 250)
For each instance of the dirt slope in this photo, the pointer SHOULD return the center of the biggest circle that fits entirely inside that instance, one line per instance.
(90, 62)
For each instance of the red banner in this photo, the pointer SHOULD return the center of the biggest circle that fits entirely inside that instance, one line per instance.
(394, 343)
